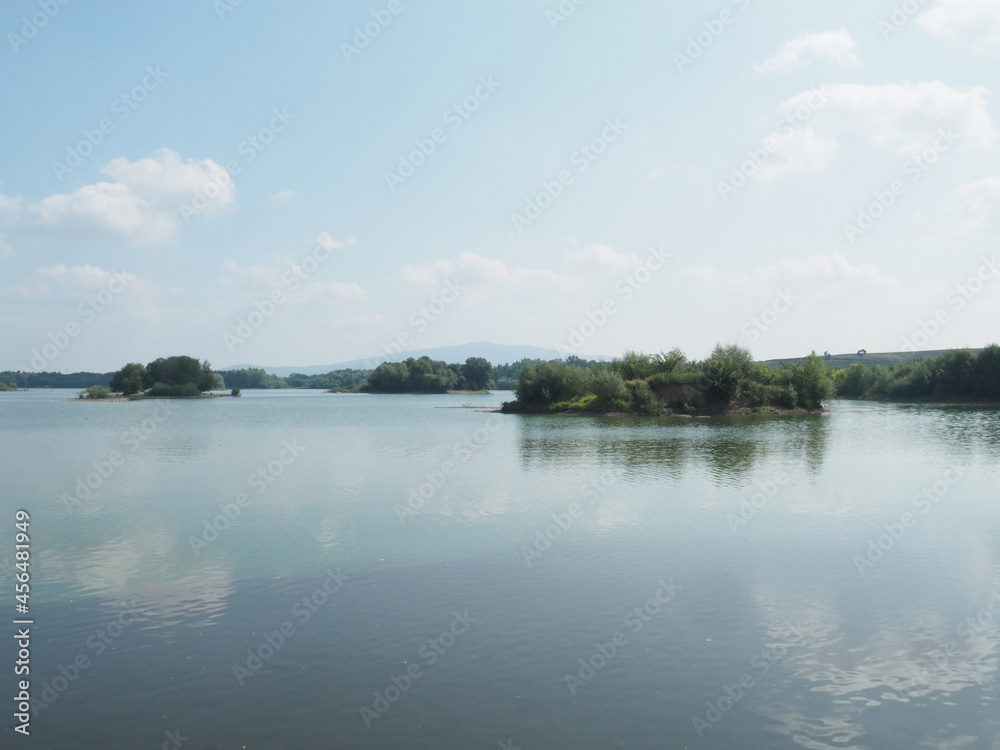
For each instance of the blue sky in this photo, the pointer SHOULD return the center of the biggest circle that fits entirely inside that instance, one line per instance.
(320, 183)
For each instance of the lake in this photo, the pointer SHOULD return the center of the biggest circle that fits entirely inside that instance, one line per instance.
(304, 570)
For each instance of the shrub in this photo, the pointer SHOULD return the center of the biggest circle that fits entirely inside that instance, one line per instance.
(550, 382)
(235, 392)
(96, 391)
(728, 369)
(642, 399)
(162, 390)
(608, 387)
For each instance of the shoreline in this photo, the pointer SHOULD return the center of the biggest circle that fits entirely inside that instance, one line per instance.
(743, 411)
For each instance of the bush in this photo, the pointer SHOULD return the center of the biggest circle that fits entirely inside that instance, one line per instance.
(642, 399)
(235, 392)
(811, 381)
(162, 390)
(729, 369)
(550, 382)
(608, 387)
(96, 391)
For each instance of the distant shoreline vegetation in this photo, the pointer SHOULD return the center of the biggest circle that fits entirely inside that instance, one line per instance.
(729, 381)
(955, 375)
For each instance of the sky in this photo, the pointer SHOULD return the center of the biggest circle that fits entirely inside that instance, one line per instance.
(297, 185)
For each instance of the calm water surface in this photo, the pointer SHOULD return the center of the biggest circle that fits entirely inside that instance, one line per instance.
(304, 570)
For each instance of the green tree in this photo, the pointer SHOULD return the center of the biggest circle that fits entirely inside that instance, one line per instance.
(728, 369)
(129, 380)
(608, 386)
(811, 381)
(389, 377)
(477, 374)
(550, 382)
(988, 372)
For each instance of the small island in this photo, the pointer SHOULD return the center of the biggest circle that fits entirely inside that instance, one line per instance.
(166, 377)
(8, 387)
(425, 375)
(728, 382)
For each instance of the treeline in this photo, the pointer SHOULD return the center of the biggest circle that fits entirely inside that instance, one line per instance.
(54, 379)
(337, 380)
(959, 374)
(425, 375)
(729, 380)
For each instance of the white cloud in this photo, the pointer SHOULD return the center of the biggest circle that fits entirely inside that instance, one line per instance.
(281, 199)
(330, 242)
(86, 277)
(141, 207)
(835, 47)
(981, 202)
(801, 150)
(904, 116)
(950, 16)
(816, 269)
(604, 257)
(164, 179)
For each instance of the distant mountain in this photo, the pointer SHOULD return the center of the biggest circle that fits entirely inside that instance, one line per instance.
(498, 354)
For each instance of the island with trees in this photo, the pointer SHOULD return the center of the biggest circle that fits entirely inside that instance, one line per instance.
(728, 382)
(166, 377)
(425, 375)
